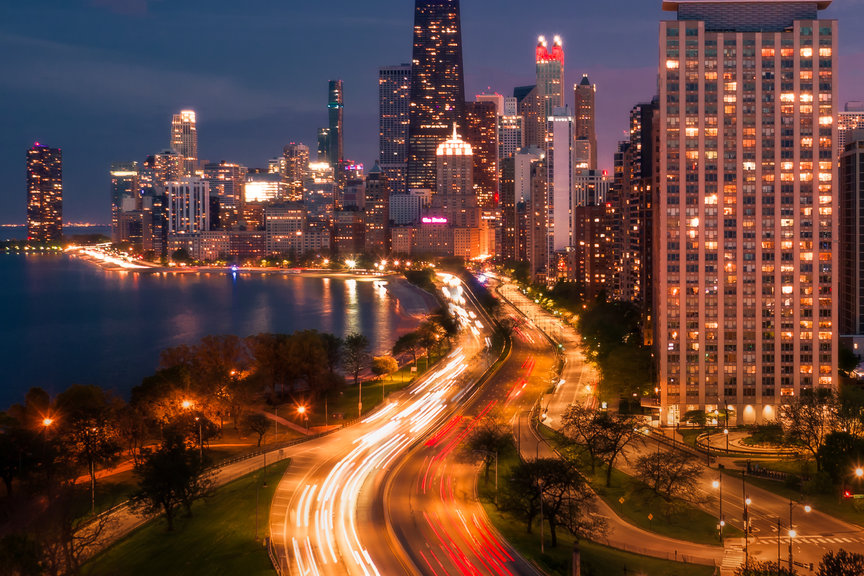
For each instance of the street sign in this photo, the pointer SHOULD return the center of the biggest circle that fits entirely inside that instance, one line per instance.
(621, 500)
(858, 496)
(413, 368)
(650, 516)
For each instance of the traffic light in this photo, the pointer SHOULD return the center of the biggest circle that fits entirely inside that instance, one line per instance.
(847, 493)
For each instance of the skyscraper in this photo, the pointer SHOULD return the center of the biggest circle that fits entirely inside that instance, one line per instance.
(188, 206)
(852, 118)
(510, 129)
(335, 106)
(747, 217)
(583, 128)
(394, 105)
(44, 194)
(437, 86)
(851, 185)
(377, 207)
(531, 108)
(481, 131)
(184, 141)
(125, 195)
(296, 166)
(559, 164)
(550, 74)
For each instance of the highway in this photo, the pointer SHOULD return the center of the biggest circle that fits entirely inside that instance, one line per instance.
(430, 498)
(319, 521)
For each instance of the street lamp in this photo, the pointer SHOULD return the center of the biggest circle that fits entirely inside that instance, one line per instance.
(47, 421)
(726, 433)
(302, 411)
(792, 532)
(718, 485)
(747, 503)
(200, 439)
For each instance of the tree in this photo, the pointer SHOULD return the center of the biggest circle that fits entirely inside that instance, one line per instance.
(88, 430)
(489, 439)
(756, 568)
(181, 255)
(219, 362)
(355, 355)
(429, 333)
(21, 555)
(602, 434)
(841, 563)
(269, 359)
(850, 410)
(409, 342)
(673, 476)
(383, 365)
(170, 477)
(839, 453)
(695, 417)
(257, 423)
(521, 494)
(808, 418)
(847, 359)
(332, 345)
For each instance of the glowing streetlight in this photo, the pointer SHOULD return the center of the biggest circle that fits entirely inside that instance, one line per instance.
(47, 421)
(351, 264)
(859, 472)
(186, 404)
(718, 485)
(301, 409)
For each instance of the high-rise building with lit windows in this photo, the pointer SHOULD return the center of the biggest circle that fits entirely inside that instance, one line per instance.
(394, 104)
(125, 196)
(584, 125)
(330, 139)
(550, 73)
(44, 194)
(188, 206)
(481, 131)
(851, 118)
(296, 162)
(437, 86)
(184, 140)
(745, 270)
(851, 187)
(559, 199)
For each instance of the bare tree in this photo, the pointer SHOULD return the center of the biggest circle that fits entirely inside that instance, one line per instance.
(808, 418)
(603, 435)
(672, 476)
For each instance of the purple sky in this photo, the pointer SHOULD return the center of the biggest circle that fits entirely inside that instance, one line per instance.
(101, 78)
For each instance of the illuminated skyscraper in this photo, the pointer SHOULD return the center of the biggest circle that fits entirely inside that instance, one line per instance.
(296, 166)
(531, 107)
(335, 109)
(184, 141)
(125, 195)
(437, 86)
(44, 194)
(559, 164)
(746, 270)
(481, 131)
(550, 74)
(852, 118)
(583, 127)
(227, 182)
(394, 104)
(377, 207)
(188, 206)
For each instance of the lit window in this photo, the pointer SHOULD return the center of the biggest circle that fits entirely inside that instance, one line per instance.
(806, 52)
(826, 120)
(672, 64)
(824, 52)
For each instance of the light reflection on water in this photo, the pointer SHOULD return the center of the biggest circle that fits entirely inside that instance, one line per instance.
(63, 321)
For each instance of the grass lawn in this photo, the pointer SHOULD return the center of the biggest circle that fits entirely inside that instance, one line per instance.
(848, 510)
(597, 560)
(682, 522)
(218, 539)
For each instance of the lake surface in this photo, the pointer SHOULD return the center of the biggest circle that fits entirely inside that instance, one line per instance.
(65, 321)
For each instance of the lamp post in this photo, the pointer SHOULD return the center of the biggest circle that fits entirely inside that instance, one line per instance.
(302, 411)
(747, 503)
(726, 433)
(708, 445)
(200, 439)
(792, 532)
(718, 485)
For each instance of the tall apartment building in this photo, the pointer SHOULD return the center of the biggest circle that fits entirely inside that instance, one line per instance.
(184, 141)
(125, 195)
(559, 205)
(747, 216)
(188, 206)
(227, 182)
(335, 115)
(394, 105)
(481, 131)
(44, 194)
(377, 209)
(584, 129)
(517, 191)
(530, 106)
(510, 129)
(296, 162)
(550, 73)
(437, 86)
(590, 187)
(157, 169)
(851, 191)
(851, 118)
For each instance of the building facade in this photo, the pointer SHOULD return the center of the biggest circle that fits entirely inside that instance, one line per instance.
(188, 206)
(437, 86)
(394, 105)
(377, 208)
(559, 206)
(44, 194)
(184, 141)
(125, 196)
(584, 126)
(747, 216)
(481, 131)
(296, 165)
(851, 186)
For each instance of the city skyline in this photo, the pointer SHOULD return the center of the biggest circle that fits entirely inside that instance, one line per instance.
(248, 115)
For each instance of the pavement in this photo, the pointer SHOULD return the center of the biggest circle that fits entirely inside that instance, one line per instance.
(817, 532)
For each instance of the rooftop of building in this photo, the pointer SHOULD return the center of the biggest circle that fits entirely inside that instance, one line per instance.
(672, 5)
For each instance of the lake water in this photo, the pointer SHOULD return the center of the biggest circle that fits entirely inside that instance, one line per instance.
(65, 321)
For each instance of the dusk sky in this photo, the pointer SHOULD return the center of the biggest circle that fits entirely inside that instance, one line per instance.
(101, 78)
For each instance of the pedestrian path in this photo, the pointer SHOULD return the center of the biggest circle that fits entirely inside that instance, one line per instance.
(821, 539)
(733, 557)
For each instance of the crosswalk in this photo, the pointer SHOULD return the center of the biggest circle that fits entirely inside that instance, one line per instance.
(811, 539)
(733, 557)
